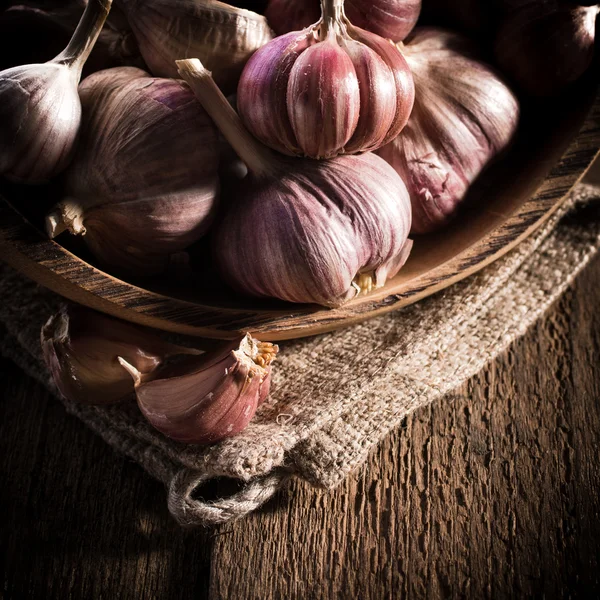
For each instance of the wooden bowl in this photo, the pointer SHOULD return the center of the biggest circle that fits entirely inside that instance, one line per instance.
(558, 141)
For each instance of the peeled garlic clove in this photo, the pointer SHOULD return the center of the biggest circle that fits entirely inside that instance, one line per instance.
(546, 46)
(137, 129)
(464, 116)
(81, 349)
(329, 100)
(303, 230)
(40, 111)
(204, 400)
(323, 76)
(392, 19)
(222, 36)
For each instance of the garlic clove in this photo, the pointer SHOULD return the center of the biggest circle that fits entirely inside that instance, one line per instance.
(81, 348)
(377, 99)
(262, 91)
(204, 400)
(323, 82)
(403, 78)
(223, 36)
(137, 128)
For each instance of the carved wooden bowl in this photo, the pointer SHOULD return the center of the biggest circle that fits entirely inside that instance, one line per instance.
(558, 141)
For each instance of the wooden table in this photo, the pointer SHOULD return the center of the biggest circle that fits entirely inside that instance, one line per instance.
(492, 493)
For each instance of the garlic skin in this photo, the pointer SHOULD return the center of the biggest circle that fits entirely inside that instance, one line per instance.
(222, 36)
(40, 111)
(137, 128)
(204, 400)
(302, 230)
(81, 349)
(390, 19)
(327, 90)
(463, 117)
(546, 46)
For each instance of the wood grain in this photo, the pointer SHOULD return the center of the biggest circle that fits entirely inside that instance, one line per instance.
(558, 141)
(492, 493)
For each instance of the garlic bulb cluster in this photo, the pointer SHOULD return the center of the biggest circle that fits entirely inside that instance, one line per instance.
(545, 46)
(81, 349)
(40, 111)
(391, 19)
(327, 90)
(222, 36)
(206, 399)
(302, 230)
(144, 184)
(464, 115)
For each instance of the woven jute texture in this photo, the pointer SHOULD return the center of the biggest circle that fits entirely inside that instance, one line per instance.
(334, 397)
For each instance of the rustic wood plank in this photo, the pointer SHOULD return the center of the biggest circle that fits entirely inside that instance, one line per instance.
(490, 494)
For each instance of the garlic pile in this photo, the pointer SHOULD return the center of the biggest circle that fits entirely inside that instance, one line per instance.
(361, 78)
(464, 115)
(190, 396)
(136, 130)
(302, 230)
(40, 111)
(391, 19)
(222, 36)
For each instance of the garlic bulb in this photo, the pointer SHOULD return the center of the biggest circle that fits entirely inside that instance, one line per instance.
(206, 399)
(40, 111)
(327, 90)
(144, 183)
(224, 37)
(302, 230)
(545, 46)
(81, 349)
(464, 115)
(391, 19)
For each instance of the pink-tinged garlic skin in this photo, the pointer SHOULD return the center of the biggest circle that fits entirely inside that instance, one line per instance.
(464, 115)
(40, 115)
(320, 229)
(210, 398)
(391, 19)
(81, 350)
(136, 130)
(545, 47)
(222, 36)
(325, 91)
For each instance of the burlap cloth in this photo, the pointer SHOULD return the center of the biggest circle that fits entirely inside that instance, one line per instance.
(336, 396)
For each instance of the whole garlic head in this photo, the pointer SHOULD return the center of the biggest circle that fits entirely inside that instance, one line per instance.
(329, 89)
(464, 115)
(144, 184)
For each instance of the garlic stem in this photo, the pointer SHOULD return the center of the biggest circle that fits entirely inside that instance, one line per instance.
(332, 12)
(259, 159)
(85, 36)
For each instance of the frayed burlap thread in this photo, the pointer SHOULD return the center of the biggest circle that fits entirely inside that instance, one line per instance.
(336, 396)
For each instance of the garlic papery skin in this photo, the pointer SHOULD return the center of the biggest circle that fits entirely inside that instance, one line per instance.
(144, 184)
(546, 46)
(40, 111)
(81, 349)
(390, 19)
(204, 400)
(222, 36)
(302, 230)
(464, 115)
(329, 89)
